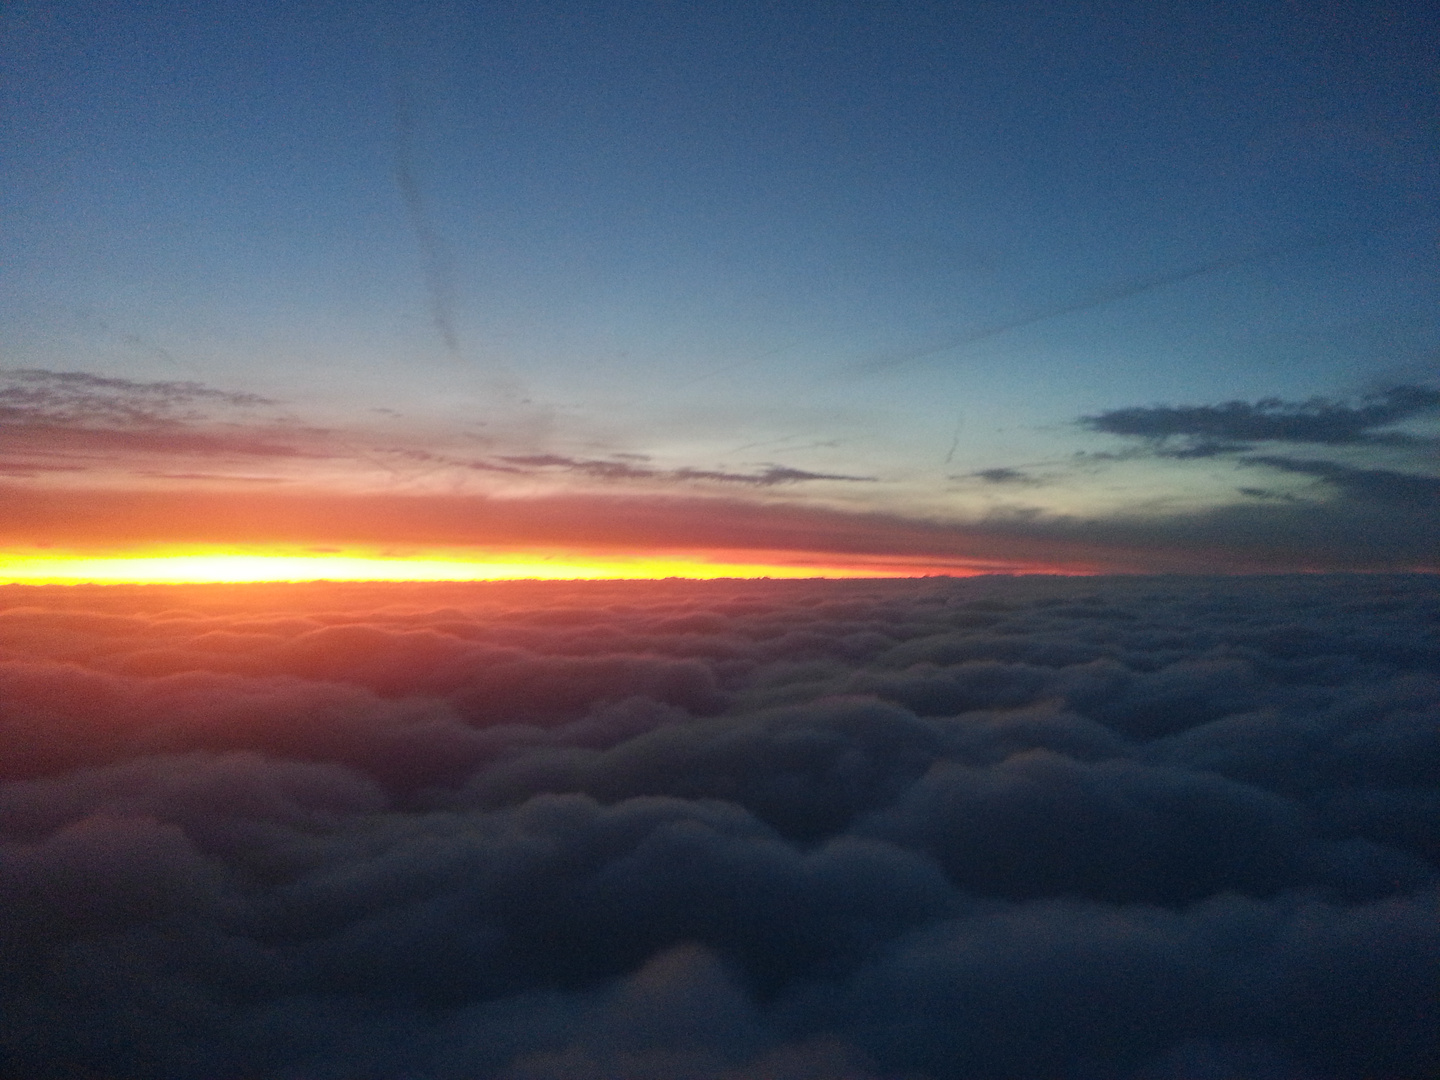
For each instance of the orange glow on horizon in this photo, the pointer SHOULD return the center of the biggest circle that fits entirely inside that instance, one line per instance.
(239, 566)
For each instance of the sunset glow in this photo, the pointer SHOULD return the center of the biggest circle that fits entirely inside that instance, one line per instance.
(196, 567)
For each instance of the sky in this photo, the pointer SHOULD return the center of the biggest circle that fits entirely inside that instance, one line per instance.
(1061, 335)
(989, 828)
(568, 289)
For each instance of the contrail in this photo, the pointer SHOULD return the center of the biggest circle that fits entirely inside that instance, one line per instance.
(439, 268)
(1097, 299)
(955, 440)
(1108, 296)
(1094, 300)
(738, 365)
(135, 341)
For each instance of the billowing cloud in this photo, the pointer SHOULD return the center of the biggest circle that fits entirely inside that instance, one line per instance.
(1143, 828)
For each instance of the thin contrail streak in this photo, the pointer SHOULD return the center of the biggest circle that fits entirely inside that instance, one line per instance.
(135, 341)
(955, 439)
(738, 365)
(1097, 299)
(438, 267)
(1094, 300)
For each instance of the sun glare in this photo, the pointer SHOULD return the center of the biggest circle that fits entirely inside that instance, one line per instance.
(233, 567)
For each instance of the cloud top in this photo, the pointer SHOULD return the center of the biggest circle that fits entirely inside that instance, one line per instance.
(1138, 828)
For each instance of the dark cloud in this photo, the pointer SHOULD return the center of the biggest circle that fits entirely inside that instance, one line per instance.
(1366, 485)
(1265, 493)
(1323, 530)
(1210, 429)
(1001, 476)
(1143, 828)
(1362, 511)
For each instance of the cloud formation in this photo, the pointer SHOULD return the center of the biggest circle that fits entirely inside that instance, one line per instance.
(78, 422)
(1360, 511)
(1235, 424)
(1002, 475)
(612, 469)
(31, 396)
(75, 421)
(1367, 485)
(1147, 828)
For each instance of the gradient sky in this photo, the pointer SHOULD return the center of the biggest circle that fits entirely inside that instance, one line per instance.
(1125, 286)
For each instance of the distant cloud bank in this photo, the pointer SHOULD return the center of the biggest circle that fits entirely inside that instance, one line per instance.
(1144, 828)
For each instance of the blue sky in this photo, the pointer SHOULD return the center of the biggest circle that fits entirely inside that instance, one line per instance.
(911, 243)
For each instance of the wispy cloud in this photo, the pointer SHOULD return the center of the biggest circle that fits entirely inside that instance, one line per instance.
(610, 469)
(30, 396)
(86, 421)
(1000, 476)
(69, 419)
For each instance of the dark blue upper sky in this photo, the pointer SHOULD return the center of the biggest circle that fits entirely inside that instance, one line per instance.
(917, 242)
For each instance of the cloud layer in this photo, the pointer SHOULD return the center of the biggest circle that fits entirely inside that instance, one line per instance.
(1140, 828)
(74, 422)
(97, 464)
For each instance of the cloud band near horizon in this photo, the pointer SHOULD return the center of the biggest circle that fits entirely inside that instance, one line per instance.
(1244, 537)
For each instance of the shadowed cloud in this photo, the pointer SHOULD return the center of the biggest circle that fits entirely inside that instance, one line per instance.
(1368, 485)
(1004, 475)
(950, 830)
